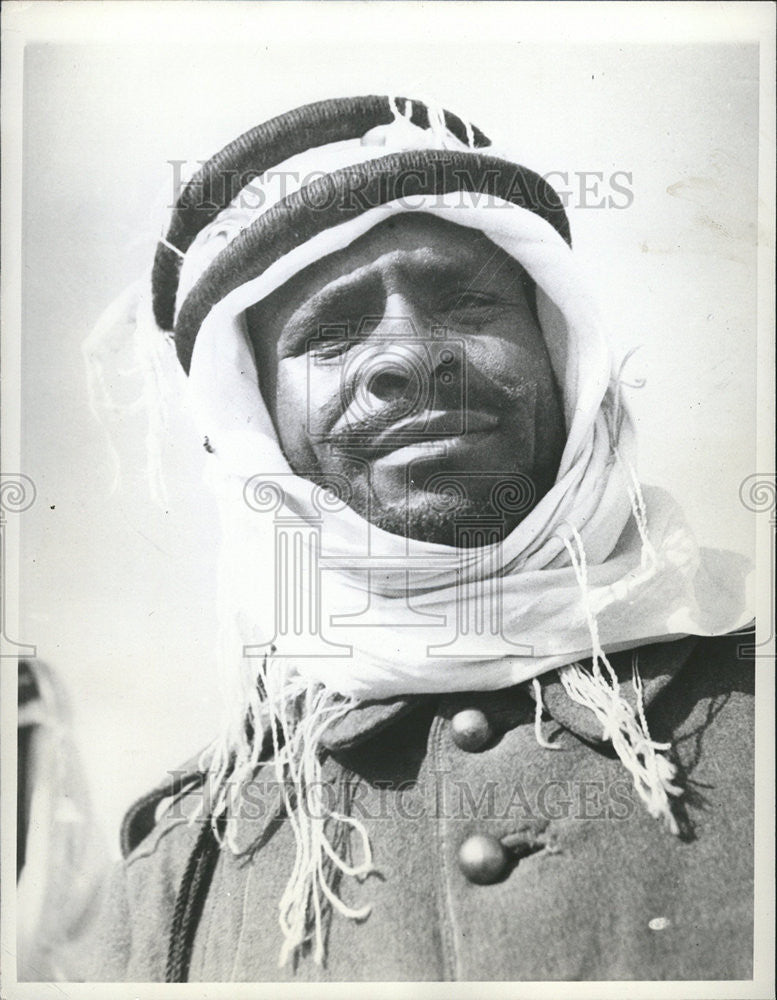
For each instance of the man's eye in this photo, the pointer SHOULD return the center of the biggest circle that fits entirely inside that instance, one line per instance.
(472, 307)
(332, 348)
(328, 349)
(473, 300)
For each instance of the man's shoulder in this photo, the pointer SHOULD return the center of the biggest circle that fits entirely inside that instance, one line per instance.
(175, 804)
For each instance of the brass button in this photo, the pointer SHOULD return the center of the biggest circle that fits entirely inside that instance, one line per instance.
(483, 859)
(470, 729)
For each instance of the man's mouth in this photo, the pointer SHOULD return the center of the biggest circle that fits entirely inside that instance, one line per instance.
(426, 428)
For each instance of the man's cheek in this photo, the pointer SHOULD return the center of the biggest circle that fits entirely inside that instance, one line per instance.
(291, 415)
(499, 371)
(493, 359)
(308, 401)
(527, 391)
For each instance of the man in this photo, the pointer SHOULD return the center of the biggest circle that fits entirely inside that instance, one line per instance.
(479, 729)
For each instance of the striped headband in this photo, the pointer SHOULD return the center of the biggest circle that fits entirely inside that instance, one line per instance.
(329, 199)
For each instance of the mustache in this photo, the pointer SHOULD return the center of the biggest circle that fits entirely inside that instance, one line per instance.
(361, 431)
(371, 424)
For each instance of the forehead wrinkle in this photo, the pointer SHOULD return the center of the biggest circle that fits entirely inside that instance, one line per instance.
(380, 261)
(389, 270)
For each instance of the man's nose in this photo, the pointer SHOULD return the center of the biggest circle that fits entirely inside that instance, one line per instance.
(406, 362)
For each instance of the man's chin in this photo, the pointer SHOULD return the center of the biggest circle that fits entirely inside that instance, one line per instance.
(462, 522)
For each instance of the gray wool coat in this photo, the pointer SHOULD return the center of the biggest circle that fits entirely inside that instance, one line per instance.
(595, 888)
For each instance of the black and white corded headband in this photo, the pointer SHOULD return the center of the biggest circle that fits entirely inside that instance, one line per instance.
(325, 199)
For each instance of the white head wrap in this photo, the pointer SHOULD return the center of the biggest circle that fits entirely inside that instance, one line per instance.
(381, 615)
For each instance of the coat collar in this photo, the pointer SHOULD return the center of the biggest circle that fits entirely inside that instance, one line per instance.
(658, 665)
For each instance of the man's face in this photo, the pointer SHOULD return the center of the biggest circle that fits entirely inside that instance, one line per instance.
(411, 363)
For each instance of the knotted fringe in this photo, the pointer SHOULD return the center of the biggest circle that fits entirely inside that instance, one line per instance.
(614, 414)
(298, 713)
(653, 773)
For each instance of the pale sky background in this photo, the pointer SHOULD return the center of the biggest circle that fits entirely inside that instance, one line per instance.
(117, 594)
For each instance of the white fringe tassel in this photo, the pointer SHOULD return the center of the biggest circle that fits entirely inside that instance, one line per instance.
(298, 713)
(652, 772)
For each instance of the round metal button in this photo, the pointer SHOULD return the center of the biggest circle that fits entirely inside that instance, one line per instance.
(483, 859)
(470, 729)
